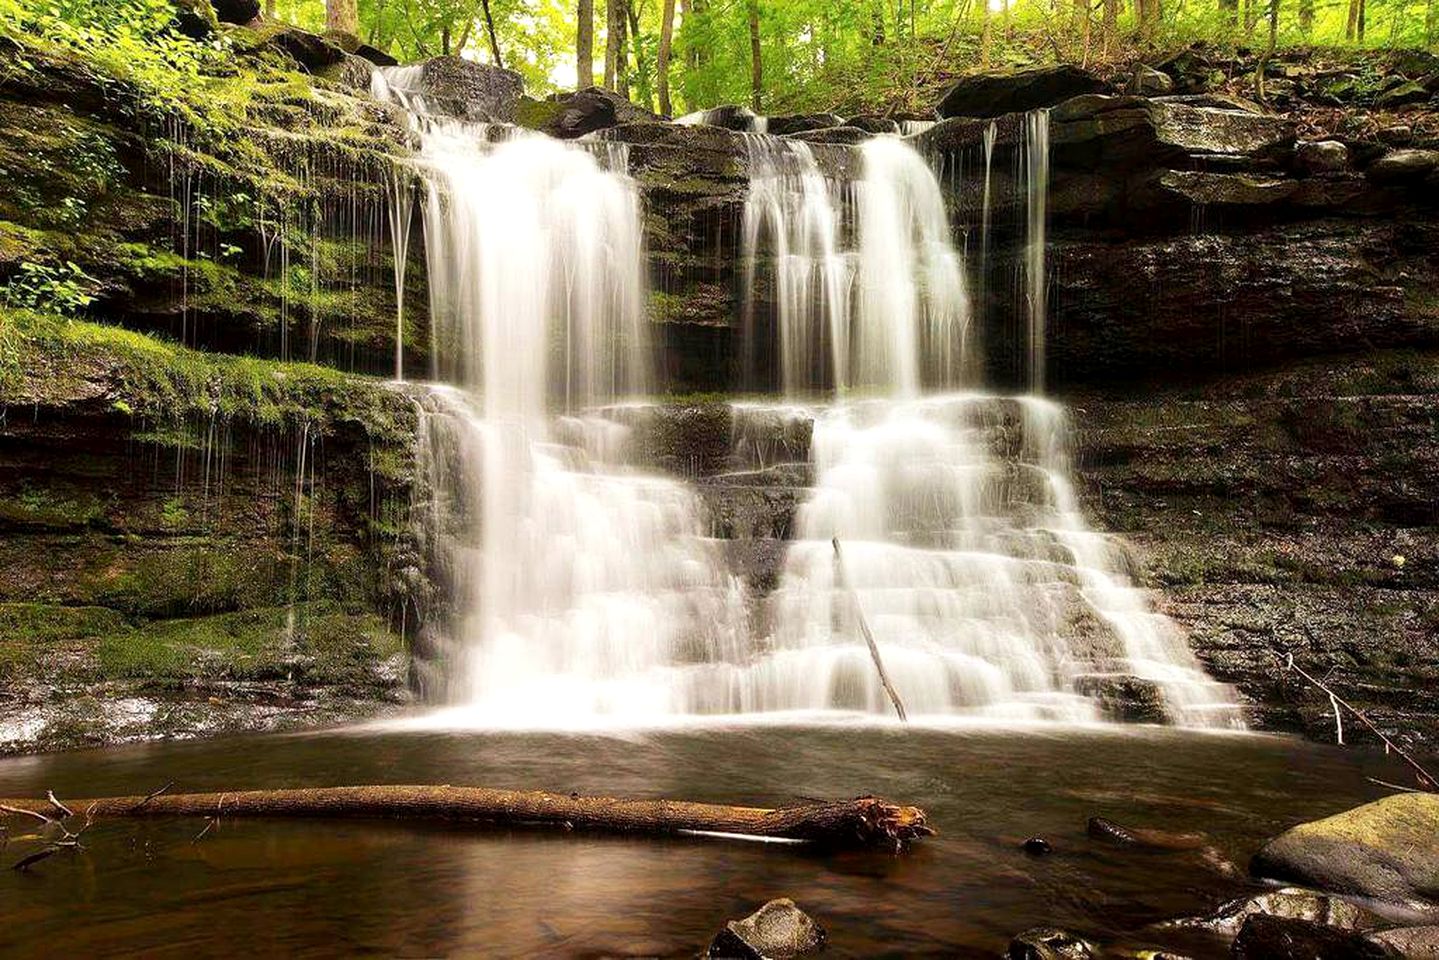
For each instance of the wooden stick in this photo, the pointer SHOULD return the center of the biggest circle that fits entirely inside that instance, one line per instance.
(868, 637)
(864, 820)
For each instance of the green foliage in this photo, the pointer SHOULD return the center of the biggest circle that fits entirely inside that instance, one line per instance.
(65, 289)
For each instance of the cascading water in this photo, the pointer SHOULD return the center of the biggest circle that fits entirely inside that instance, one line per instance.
(578, 587)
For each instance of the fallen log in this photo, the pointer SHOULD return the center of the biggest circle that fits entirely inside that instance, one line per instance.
(857, 822)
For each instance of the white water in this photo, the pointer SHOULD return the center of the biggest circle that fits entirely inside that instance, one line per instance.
(579, 588)
(1036, 281)
(867, 289)
(576, 585)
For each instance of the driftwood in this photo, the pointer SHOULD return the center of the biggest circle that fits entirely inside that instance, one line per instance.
(868, 637)
(865, 820)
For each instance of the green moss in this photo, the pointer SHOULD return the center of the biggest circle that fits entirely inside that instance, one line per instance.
(35, 638)
(49, 506)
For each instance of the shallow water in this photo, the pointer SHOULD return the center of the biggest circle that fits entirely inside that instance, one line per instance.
(297, 888)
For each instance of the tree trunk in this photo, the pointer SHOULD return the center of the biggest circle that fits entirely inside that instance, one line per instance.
(1431, 23)
(1351, 26)
(756, 62)
(584, 44)
(342, 16)
(643, 88)
(490, 28)
(1111, 25)
(1306, 17)
(614, 43)
(662, 67)
(857, 822)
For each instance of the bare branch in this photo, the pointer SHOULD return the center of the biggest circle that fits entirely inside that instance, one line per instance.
(60, 808)
(17, 811)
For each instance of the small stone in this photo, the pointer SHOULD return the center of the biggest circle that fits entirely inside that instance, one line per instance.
(1049, 943)
(1322, 156)
(1149, 82)
(1397, 136)
(776, 931)
(1037, 847)
(1291, 903)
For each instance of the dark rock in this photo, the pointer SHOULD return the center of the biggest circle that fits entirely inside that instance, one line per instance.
(310, 50)
(776, 931)
(1225, 189)
(1107, 830)
(965, 133)
(873, 124)
(195, 19)
(571, 115)
(1321, 156)
(1049, 943)
(1124, 698)
(1148, 82)
(236, 11)
(1403, 166)
(1403, 95)
(1037, 847)
(837, 135)
(800, 122)
(1411, 943)
(474, 91)
(378, 57)
(729, 116)
(1385, 849)
(1291, 903)
(1276, 938)
(992, 95)
(1396, 136)
(1130, 133)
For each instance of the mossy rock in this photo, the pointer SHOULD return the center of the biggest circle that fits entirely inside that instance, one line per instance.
(1388, 850)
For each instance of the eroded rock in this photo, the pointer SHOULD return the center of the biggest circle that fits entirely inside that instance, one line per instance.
(776, 931)
(997, 94)
(1277, 938)
(1404, 166)
(1049, 943)
(1291, 903)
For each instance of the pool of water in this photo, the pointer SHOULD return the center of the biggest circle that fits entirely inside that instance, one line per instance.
(308, 888)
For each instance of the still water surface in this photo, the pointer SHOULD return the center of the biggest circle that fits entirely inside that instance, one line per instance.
(400, 889)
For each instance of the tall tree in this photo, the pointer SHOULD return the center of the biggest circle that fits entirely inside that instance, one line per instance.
(490, 29)
(756, 62)
(584, 44)
(1306, 17)
(616, 56)
(342, 16)
(662, 66)
(643, 90)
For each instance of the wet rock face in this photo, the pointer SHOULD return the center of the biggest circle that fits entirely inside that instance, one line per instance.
(779, 930)
(995, 95)
(1308, 906)
(1276, 938)
(1385, 850)
(800, 122)
(475, 91)
(567, 116)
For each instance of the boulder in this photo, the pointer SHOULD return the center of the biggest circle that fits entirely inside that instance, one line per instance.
(570, 115)
(473, 91)
(310, 50)
(873, 123)
(236, 11)
(800, 122)
(1399, 135)
(1386, 850)
(1321, 156)
(1224, 189)
(1403, 166)
(1409, 92)
(1412, 943)
(1049, 943)
(730, 116)
(1155, 133)
(1149, 82)
(1277, 938)
(776, 931)
(841, 135)
(1290, 903)
(195, 19)
(992, 95)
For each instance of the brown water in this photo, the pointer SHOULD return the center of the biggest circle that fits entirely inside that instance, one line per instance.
(313, 888)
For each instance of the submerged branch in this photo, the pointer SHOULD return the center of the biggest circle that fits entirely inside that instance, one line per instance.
(868, 637)
(858, 822)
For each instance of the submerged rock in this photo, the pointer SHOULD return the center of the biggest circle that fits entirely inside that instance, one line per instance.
(1291, 903)
(1386, 850)
(1037, 847)
(995, 95)
(1101, 828)
(1049, 943)
(1277, 938)
(1124, 698)
(776, 931)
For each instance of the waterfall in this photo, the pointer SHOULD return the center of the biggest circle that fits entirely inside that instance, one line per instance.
(868, 289)
(576, 585)
(1036, 175)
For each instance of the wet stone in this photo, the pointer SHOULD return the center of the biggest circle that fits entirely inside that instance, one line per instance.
(1049, 943)
(776, 931)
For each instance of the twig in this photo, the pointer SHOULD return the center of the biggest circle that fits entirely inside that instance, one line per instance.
(1395, 786)
(63, 810)
(25, 813)
(209, 821)
(868, 637)
(1426, 779)
(35, 858)
(148, 797)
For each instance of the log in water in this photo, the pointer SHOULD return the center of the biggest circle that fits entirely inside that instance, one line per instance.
(858, 822)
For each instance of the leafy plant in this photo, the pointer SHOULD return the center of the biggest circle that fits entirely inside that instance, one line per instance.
(66, 289)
